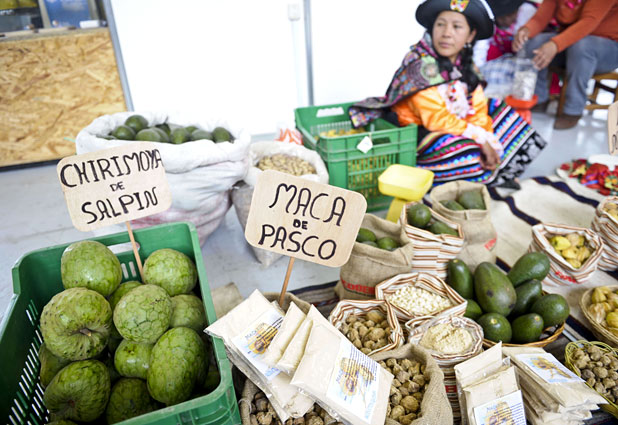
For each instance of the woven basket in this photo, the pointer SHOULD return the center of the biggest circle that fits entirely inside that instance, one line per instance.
(432, 252)
(606, 226)
(425, 281)
(561, 273)
(610, 407)
(540, 344)
(345, 308)
(597, 329)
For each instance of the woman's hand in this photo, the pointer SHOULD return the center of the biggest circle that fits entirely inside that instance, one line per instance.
(489, 157)
(544, 54)
(520, 39)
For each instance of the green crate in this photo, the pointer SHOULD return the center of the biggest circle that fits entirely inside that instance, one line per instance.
(348, 167)
(36, 279)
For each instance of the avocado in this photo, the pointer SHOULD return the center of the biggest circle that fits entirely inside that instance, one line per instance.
(365, 235)
(136, 122)
(471, 200)
(533, 265)
(179, 135)
(201, 135)
(123, 132)
(527, 294)
(165, 138)
(387, 243)
(220, 134)
(553, 308)
(452, 205)
(165, 127)
(148, 135)
(494, 292)
(527, 328)
(419, 216)
(473, 310)
(458, 276)
(438, 228)
(495, 327)
(371, 243)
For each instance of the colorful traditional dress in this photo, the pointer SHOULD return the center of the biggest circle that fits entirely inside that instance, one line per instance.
(453, 123)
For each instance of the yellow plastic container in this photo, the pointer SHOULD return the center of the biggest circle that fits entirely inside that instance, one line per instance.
(405, 184)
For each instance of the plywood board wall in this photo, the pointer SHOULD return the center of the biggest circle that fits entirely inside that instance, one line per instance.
(52, 86)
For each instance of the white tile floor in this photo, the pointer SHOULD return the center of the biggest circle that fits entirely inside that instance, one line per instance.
(35, 216)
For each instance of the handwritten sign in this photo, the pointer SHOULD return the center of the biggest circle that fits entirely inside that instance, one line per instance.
(114, 185)
(612, 128)
(303, 219)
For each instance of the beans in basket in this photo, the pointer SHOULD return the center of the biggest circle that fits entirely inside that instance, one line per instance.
(367, 333)
(263, 413)
(286, 164)
(599, 369)
(407, 389)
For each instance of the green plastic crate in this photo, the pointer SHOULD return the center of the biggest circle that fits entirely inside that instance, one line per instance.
(348, 167)
(36, 279)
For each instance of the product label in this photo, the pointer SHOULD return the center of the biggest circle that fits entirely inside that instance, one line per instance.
(548, 368)
(256, 338)
(354, 383)
(365, 145)
(504, 410)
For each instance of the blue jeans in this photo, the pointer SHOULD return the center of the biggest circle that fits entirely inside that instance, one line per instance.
(590, 55)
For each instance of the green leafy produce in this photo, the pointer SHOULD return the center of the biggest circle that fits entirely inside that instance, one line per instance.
(172, 270)
(92, 265)
(76, 324)
(79, 392)
(143, 314)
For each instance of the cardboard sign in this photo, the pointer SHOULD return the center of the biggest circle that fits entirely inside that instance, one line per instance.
(303, 219)
(114, 185)
(612, 128)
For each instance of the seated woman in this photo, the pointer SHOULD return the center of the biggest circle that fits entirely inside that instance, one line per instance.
(462, 135)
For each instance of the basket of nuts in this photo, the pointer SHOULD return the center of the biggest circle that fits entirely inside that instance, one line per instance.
(371, 326)
(574, 252)
(597, 364)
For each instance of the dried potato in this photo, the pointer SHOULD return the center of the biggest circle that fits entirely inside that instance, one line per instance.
(286, 164)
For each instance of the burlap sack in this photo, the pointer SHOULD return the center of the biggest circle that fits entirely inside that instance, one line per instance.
(480, 234)
(435, 408)
(287, 299)
(369, 266)
(606, 226)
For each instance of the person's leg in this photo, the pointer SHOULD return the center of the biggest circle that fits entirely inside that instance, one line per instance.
(542, 85)
(590, 55)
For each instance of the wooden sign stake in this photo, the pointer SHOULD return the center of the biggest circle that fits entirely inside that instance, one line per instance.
(138, 260)
(284, 288)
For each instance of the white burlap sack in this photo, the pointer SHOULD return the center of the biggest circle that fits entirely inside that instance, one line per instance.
(200, 174)
(242, 193)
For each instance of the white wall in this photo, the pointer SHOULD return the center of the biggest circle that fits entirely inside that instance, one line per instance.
(231, 59)
(358, 45)
(245, 60)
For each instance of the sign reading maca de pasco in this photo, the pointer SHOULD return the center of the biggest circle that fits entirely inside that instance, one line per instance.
(114, 185)
(303, 219)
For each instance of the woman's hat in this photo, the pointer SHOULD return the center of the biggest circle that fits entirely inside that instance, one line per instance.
(504, 7)
(478, 13)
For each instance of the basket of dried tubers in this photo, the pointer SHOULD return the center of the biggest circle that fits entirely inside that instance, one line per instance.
(600, 306)
(597, 364)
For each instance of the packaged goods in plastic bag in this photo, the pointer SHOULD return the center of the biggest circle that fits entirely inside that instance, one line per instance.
(605, 224)
(434, 407)
(247, 331)
(368, 265)
(350, 386)
(291, 322)
(548, 238)
(432, 251)
(290, 155)
(200, 173)
(480, 234)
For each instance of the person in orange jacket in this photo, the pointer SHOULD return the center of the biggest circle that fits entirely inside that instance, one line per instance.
(462, 134)
(586, 44)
